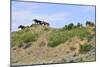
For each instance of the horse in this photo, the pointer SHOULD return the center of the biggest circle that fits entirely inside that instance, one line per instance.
(45, 23)
(40, 22)
(37, 21)
(22, 27)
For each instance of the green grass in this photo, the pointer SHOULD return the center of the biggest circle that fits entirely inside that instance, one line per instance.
(23, 37)
(61, 36)
(85, 48)
(57, 37)
(94, 30)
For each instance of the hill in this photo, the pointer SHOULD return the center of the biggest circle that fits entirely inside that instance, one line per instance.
(41, 45)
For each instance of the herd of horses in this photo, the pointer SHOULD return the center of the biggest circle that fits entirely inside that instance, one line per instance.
(41, 22)
(38, 22)
(44, 23)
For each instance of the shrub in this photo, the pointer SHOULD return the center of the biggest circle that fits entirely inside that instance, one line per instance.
(89, 37)
(85, 48)
(65, 27)
(23, 37)
(79, 25)
(94, 29)
(56, 38)
(28, 37)
(70, 26)
(61, 36)
(82, 33)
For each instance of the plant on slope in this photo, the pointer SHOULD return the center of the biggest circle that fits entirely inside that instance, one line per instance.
(85, 48)
(61, 36)
(23, 37)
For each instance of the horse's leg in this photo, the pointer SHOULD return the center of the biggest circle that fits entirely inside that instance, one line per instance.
(44, 23)
(41, 24)
(21, 27)
(35, 22)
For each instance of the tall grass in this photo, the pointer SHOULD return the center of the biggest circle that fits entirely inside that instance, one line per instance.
(85, 48)
(61, 36)
(56, 38)
(94, 29)
(23, 37)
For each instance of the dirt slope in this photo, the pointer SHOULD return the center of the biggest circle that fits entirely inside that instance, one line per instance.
(40, 53)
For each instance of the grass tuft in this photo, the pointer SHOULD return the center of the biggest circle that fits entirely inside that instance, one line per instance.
(85, 48)
(23, 37)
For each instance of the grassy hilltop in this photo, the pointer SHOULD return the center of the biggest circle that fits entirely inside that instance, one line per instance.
(41, 44)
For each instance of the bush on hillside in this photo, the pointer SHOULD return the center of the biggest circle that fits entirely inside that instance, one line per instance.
(85, 48)
(57, 38)
(94, 29)
(79, 25)
(61, 36)
(70, 26)
(65, 27)
(23, 37)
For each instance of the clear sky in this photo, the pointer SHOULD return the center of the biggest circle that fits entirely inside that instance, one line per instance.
(57, 15)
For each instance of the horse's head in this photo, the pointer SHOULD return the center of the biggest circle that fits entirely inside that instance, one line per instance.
(35, 20)
(19, 26)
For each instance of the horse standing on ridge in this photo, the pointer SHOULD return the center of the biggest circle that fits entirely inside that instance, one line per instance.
(45, 23)
(22, 27)
(37, 21)
(41, 22)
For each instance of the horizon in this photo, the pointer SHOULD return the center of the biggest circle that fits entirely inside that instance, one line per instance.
(58, 15)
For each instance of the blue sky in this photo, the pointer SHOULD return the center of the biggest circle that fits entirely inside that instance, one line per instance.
(57, 15)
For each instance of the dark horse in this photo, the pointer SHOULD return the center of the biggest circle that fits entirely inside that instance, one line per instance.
(45, 23)
(40, 22)
(37, 21)
(22, 27)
